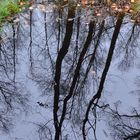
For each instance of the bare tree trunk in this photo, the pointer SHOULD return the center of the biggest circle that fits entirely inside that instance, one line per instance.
(63, 51)
(77, 70)
(97, 96)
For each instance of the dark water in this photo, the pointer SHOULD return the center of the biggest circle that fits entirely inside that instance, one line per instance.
(76, 76)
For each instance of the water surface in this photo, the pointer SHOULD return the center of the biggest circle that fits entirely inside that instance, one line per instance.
(65, 72)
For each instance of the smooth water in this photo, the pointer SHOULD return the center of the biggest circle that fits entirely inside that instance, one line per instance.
(64, 68)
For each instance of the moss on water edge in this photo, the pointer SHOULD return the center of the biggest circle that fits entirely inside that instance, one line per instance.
(136, 6)
(9, 8)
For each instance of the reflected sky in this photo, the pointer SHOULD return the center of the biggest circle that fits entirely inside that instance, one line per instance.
(63, 71)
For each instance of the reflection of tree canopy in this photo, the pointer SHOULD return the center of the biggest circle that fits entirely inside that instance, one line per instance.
(69, 57)
(77, 41)
(10, 90)
(124, 126)
(73, 58)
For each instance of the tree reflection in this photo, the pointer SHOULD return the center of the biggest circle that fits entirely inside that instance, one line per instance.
(11, 99)
(124, 126)
(70, 58)
(77, 51)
